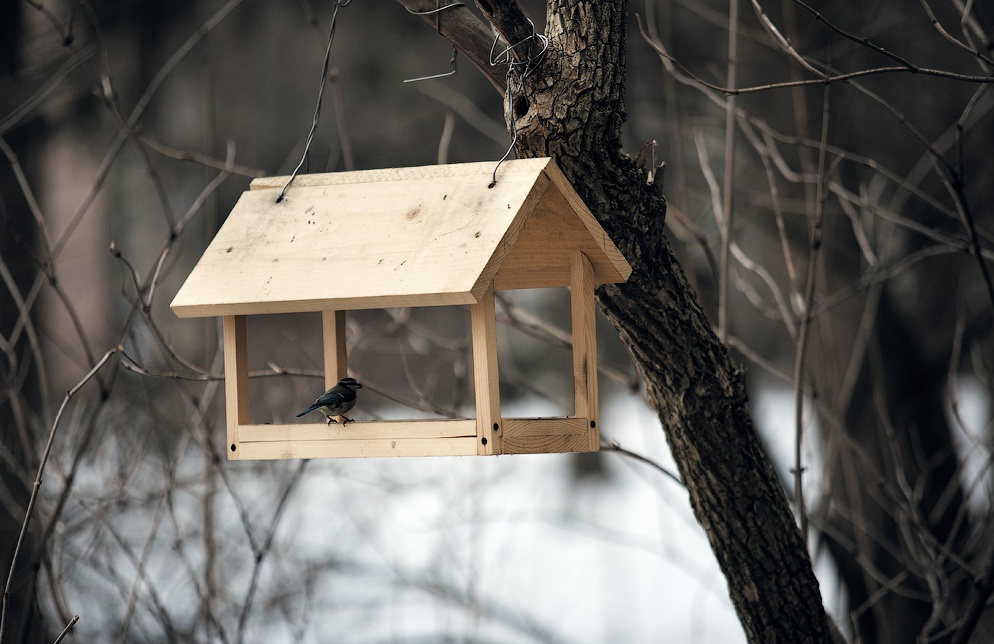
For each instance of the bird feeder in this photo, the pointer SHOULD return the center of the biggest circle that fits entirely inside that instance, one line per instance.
(411, 237)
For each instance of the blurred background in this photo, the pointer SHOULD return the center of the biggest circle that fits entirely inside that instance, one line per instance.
(860, 305)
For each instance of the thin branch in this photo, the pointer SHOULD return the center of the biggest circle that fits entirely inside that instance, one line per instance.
(65, 631)
(66, 34)
(31, 332)
(728, 178)
(801, 352)
(615, 447)
(985, 61)
(51, 84)
(859, 40)
(674, 214)
(825, 79)
(467, 109)
(780, 40)
(778, 299)
(338, 100)
(197, 157)
(445, 140)
(983, 587)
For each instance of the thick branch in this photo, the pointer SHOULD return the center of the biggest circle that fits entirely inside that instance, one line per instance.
(510, 22)
(470, 35)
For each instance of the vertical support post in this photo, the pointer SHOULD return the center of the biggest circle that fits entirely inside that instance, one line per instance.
(485, 375)
(336, 357)
(236, 396)
(584, 345)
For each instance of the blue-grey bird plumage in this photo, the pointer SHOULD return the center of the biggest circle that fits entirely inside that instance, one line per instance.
(336, 401)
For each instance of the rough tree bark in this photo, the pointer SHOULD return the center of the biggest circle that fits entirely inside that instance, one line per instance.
(572, 108)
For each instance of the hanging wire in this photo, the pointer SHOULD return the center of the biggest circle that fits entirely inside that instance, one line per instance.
(518, 70)
(455, 52)
(317, 108)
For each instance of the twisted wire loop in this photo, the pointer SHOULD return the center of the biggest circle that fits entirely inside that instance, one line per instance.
(517, 70)
(317, 108)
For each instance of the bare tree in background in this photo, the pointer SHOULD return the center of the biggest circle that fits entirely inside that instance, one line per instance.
(825, 170)
(860, 162)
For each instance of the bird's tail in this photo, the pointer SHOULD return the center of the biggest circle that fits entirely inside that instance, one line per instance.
(308, 410)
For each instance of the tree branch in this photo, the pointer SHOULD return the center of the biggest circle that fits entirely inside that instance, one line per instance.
(470, 35)
(510, 22)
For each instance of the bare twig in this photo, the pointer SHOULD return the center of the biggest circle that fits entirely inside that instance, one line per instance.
(615, 447)
(197, 157)
(445, 140)
(983, 587)
(825, 78)
(65, 31)
(467, 109)
(65, 631)
(341, 125)
(986, 61)
(801, 351)
(727, 191)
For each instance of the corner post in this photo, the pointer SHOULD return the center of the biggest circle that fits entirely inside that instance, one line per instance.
(236, 396)
(584, 345)
(485, 374)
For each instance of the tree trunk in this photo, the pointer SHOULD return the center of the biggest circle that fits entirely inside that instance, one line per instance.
(571, 108)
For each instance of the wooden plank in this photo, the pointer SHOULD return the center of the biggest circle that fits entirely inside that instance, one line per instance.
(541, 255)
(418, 173)
(414, 238)
(584, 344)
(485, 374)
(546, 444)
(336, 356)
(359, 448)
(519, 427)
(618, 262)
(361, 429)
(536, 270)
(547, 435)
(236, 396)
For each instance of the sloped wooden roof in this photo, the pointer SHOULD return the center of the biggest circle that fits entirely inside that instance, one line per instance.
(423, 236)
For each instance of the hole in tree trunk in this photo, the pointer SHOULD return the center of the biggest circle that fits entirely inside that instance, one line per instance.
(521, 106)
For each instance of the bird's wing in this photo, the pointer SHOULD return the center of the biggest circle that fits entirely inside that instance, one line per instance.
(336, 396)
(333, 398)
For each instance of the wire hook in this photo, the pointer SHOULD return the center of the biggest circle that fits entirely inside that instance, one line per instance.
(455, 52)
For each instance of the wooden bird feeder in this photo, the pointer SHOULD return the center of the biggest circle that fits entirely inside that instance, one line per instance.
(428, 236)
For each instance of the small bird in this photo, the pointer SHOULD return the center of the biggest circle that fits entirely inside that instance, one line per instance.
(336, 401)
